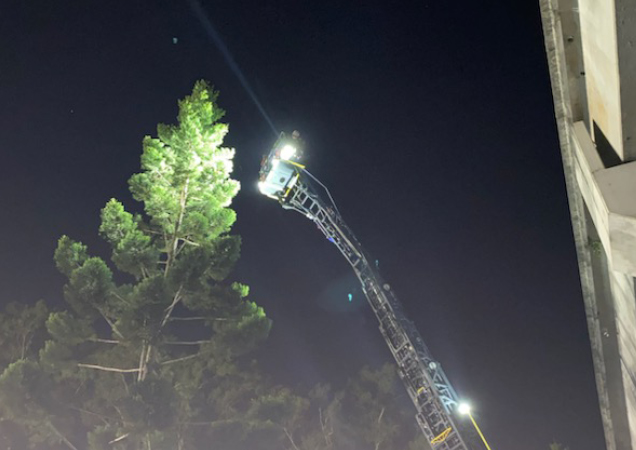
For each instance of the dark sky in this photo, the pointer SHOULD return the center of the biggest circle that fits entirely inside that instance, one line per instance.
(432, 124)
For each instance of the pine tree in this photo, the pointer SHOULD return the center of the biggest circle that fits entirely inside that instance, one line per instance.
(22, 333)
(557, 446)
(376, 418)
(363, 415)
(147, 342)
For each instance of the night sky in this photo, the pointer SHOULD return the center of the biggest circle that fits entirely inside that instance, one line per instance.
(432, 124)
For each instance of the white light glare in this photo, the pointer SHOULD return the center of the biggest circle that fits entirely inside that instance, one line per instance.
(464, 408)
(261, 186)
(287, 151)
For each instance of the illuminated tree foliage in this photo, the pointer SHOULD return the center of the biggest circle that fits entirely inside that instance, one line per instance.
(147, 356)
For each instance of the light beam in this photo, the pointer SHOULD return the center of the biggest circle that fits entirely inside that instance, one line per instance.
(216, 38)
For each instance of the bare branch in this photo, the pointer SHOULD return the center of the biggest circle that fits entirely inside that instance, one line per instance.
(142, 358)
(185, 358)
(189, 242)
(151, 231)
(187, 342)
(323, 425)
(120, 438)
(172, 249)
(123, 380)
(107, 369)
(175, 319)
(85, 411)
(169, 309)
(62, 437)
(146, 360)
(182, 242)
(120, 297)
(112, 325)
(380, 416)
(290, 439)
(105, 341)
(119, 412)
(220, 319)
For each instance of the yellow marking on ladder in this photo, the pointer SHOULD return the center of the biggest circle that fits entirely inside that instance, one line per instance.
(442, 436)
(291, 185)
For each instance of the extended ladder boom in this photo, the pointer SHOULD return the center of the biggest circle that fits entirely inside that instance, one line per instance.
(430, 391)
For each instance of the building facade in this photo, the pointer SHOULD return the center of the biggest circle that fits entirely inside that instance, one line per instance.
(591, 50)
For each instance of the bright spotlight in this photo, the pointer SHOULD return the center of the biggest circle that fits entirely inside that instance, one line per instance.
(287, 152)
(464, 408)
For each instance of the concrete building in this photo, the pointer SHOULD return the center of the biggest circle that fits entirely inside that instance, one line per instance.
(591, 49)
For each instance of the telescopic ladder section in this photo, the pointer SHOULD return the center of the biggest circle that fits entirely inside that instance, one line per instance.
(429, 389)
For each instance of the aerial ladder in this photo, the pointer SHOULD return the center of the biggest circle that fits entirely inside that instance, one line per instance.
(284, 178)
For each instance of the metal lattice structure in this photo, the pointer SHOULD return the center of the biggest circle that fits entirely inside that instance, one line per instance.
(430, 391)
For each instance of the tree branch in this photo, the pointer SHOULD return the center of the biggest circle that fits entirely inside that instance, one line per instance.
(112, 325)
(120, 438)
(189, 242)
(144, 271)
(185, 358)
(61, 436)
(290, 438)
(183, 242)
(120, 297)
(380, 416)
(123, 380)
(172, 249)
(85, 411)
(147, 229)
(142, 357)
(169, 309)
(147, 359)
(175, 319)
(105, 341)
(107, 369)
(119, 412)
(187, 342)
(323, 426)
